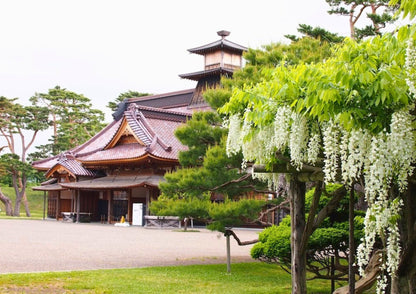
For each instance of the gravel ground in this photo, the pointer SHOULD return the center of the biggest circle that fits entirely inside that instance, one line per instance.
(38, 246)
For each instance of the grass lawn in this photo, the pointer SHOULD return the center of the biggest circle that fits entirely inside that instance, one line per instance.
(245, 278)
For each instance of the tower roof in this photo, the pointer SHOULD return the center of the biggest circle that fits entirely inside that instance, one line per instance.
(220, 44)
(196, 76)
(223, 44)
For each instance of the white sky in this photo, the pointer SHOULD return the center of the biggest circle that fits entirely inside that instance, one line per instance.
(101, 48)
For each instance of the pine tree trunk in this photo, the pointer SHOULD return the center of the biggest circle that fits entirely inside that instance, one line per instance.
(297, 214)
(17, 206)
(26, 204)
(7, 203)
(18, 195)
(22, 189)
(185, 224)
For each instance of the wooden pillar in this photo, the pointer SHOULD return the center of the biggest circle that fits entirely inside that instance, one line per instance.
(148, 192)
(129, 206)
(108, 195)
(44, 204)
(297, 213)
(73, 200)
(58, 205)
(78, 205)
(351, 257)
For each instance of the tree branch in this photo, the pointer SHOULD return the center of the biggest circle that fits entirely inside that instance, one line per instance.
(267, 211)
(309, 227)
(329, 207)
(239, 180)
(229, 232)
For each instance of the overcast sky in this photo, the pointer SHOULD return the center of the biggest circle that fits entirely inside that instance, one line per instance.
(101, 48)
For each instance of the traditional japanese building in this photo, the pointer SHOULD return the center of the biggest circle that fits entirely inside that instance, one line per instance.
(124, 163)
(221, 58)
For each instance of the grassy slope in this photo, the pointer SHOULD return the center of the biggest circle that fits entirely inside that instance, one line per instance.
(245, 278)
(35, 199)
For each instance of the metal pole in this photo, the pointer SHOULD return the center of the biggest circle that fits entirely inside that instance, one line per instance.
(228, 253)
(332, 274)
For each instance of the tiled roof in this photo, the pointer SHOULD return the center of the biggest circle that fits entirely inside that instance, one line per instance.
(68, 161)
(92, 145)
(172, 100)
(51, 187)
(139, 125)
(220, 44)
(196, 76)
(45, 164)
(116, 182)
(154, 127)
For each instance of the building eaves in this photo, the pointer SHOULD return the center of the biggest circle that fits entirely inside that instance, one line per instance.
(220, 44)
(196, 76)
(67, 161)
(169, 100)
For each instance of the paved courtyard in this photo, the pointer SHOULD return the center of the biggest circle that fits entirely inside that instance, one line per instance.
(36, 245)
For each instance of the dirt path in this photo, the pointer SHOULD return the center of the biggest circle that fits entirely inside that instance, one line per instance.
(35, 245)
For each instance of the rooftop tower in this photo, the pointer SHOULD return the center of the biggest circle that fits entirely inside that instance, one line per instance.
(221, 58)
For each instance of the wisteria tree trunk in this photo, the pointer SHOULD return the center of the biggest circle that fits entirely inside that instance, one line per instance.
(297, 191)
(406, 282)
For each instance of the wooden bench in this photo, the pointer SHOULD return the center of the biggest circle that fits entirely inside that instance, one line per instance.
(153, 221)
(84, 217)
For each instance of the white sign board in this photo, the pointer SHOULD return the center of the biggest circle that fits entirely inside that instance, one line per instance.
(137, 214)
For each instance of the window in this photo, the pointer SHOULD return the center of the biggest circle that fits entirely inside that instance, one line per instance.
(119, 195)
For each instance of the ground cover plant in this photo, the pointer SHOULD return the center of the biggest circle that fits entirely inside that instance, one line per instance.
(245, 278)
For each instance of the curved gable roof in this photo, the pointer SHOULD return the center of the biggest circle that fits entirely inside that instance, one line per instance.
(69, 164)
(153, 130)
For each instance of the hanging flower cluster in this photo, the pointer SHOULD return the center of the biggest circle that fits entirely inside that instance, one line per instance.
(384, 159)
(234, 141)
(363, 86)
(409, 66)
(290, 132)
(331, 151)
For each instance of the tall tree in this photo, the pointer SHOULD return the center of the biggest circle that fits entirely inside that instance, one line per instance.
(258, 61)
(72, 117)
(19, 126)
(343, 120)
(378, 12)
(113, 105)
(316, 33)
(220, 174)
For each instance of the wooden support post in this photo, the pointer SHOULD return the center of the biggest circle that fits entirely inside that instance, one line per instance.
(227, 236)
(44, 204)
(332, 274)
(149, 193)
(351, 257)
(73, 201)
(108, 195)
(58, 206)
(129, 218)
(78, 205)
(297, 213)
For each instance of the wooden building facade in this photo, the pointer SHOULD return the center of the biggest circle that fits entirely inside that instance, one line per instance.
(124, 163)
